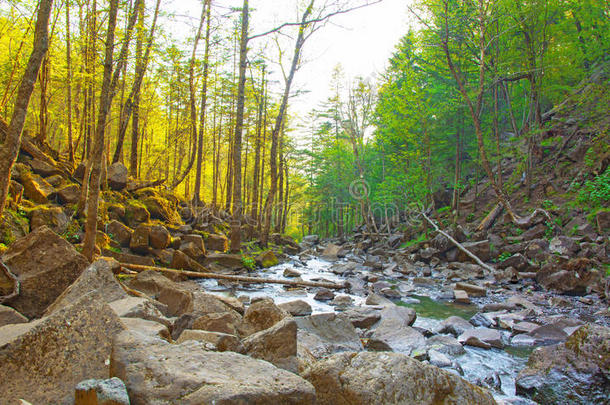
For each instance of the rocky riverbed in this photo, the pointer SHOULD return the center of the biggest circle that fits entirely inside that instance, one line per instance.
(395, 333)
(487, 340)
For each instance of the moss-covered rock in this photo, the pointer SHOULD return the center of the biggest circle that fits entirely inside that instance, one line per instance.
(136, 213)
(267, 259)
(13, 225)
(52, 216)
(162, 209)
(575, 372)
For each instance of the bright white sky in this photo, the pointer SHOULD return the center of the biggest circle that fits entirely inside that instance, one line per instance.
(361, 41)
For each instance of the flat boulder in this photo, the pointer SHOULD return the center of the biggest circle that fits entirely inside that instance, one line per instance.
(137, 307)
(43, 360)
(327, 333)
(388, 378)
(454, 325)
(485, 338)
(363, 317)
(573, 372)
(46, 265)
(156, 372)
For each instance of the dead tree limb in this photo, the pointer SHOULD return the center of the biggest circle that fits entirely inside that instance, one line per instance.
(244, 279)
(16, 284)
(458, 244)
(490, 218)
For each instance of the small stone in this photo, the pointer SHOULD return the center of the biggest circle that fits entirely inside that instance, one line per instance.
(324, 294)
(461, 296)
(101, 392)
(438, 359)
(296, 308)
(290, 272)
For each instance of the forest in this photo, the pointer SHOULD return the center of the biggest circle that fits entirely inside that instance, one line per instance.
(455, 202)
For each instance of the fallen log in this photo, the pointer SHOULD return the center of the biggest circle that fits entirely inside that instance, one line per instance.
(243, 279)
(16, 284)
(490, 218)
(458, 244)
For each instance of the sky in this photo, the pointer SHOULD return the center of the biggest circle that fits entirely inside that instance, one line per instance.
(361, 41)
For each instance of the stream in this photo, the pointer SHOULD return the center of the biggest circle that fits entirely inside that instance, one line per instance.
(498, 368)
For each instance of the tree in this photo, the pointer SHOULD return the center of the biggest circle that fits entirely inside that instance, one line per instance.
(109, 84)
(12, 141)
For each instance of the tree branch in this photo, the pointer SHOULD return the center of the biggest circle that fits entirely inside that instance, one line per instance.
(314, 20)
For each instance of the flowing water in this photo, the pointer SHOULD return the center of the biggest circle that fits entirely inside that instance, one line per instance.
(498, 366)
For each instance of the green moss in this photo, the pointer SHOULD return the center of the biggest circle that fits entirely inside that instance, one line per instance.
(248, 262)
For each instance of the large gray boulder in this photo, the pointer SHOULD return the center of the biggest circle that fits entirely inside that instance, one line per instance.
(46, 265)
(327, 333)
(117, 176)
(388, 378)
(156, 372)
(394, 331)
(575, 372)
(43, 360)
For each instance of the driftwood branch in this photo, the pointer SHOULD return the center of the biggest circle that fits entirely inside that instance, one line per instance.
(458, 245)
(16, 283)
(243, 279)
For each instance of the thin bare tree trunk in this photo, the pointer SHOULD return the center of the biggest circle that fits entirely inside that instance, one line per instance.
(193, 108)
(237, 208)
(279, 123)
(12, 142)
(109, 84)
(202, 112)
(69, 83)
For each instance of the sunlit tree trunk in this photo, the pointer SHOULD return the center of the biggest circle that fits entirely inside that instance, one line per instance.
(12, 142)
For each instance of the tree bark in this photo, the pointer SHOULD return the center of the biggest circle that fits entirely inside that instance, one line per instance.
(279, 122)
(12, 142)
(109, 84)
(237, 135)
(193, 108)
(202, 112)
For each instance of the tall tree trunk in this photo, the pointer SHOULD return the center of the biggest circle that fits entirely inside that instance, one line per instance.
(69, 83)
(41, 138)
(193, 108)
(279, 122)
(237, 135)
(257, 149)
(109, 83)
(127, 110)
(12, 142)
(202, 112)
(135, 105)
